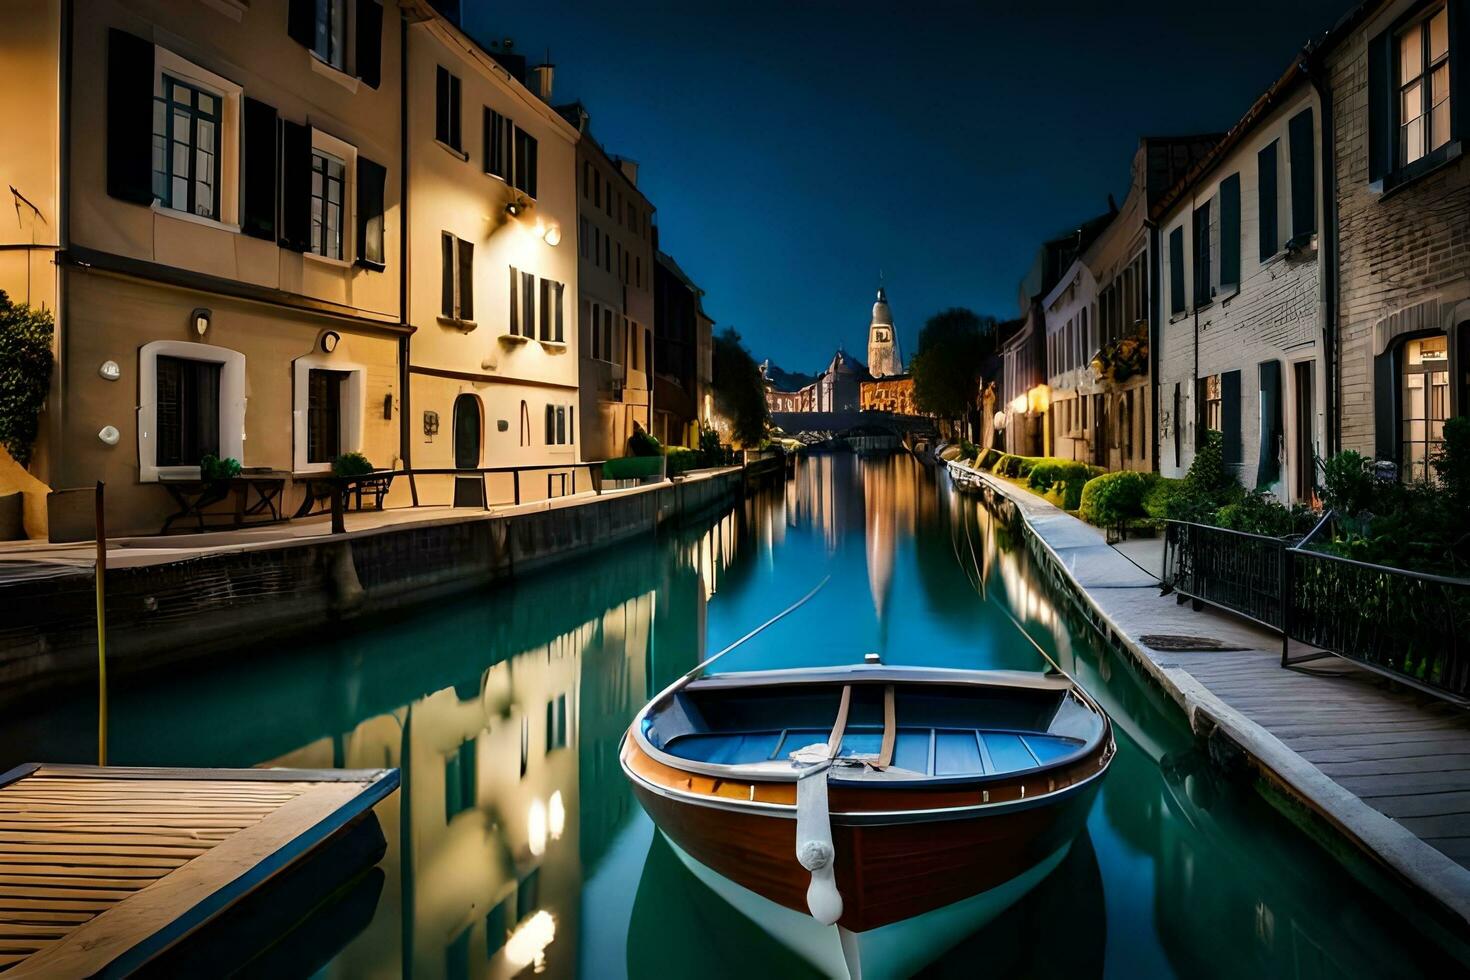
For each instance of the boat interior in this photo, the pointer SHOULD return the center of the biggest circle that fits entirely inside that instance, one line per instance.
(902, 730)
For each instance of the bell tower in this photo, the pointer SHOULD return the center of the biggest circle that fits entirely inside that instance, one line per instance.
(884, 358)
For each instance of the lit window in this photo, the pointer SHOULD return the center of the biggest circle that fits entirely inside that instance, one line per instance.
(328, 178)
(1424, 87)
(1214, 404)
(1426, 403)
(186, 145)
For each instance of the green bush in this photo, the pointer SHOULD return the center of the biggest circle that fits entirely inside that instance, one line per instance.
(1025, 465)
(211, 467)
(1208, 486)
(25, 374)
(351, 464)
(1452, 464)
(682, 460)
(640, 443)
(1347, 486)
(631, 467)
(1113, 499)
(986, 459)
(1258, 512)
(1067, 494)
(1049, 470)
(1162, 490)
(968, 450)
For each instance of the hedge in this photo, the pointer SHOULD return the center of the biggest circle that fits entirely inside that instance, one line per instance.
(1113, 499)
(1048, 470)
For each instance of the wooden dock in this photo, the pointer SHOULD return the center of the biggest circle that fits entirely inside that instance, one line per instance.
(102, 870)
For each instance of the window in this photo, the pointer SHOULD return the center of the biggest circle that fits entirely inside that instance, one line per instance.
(330, 42)
(1266, 202)
(587, 178)
(188, 411)
(186, 148)
(1423, 87)
(1176, 271)
(560, 420)
(1214, 403)
(551, 311)
(328, 180)
(597, 188)
(498, 135)
(459, 780)
(457, 297)
(446, 109)
(1425, 382)
(528, 305)
(583, 242)
(524, 178)
(1300, 135)
(1202, 271)
(609, 350)
(324, 415)
(1230, 234)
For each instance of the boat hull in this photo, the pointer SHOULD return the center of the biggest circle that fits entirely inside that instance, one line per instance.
(886, 871)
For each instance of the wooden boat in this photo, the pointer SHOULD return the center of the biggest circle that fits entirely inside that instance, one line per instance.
(870, 795)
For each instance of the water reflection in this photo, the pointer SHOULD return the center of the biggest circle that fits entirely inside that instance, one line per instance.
(515, 845)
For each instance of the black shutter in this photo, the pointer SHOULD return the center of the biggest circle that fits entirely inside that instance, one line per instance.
(530, 178)
(372, 179)
(1385, 406)
(446, 294)
(1230, 231)
(441, 105)
(488, 141)
(1178, 425)
(550, 426)
(1230, 416)
(1202, 277)
(1176, 270)
(258, 216)
(129, 117)
(301, 22)
(466, 280)
(454, 114)
(1459, 14)
(370, 42)
(515, 303)
(1303, 175)
(1201, 393)
(1380, 106)
(295, 186)
(1268, 464)
(1267, 193)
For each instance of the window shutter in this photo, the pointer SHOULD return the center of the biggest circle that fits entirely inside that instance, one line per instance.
(1303, 175)
(515, 302)
(466, 280)
(372, 179)
(454, 114)
(560, 323)
(1230, 416)
(441, 105)
(370, 42)
(1202, 274)
(1380, 106)
(530, 179)
(1459, 16)
(258, 217)
(301, 22)
(1268, 464)
(550, 425)
(1200, 428)
(1176, 270)
(1266, 203)
(1230, 231)
(295, 186)
(446, 289)
(1385, 406)
(129, 117)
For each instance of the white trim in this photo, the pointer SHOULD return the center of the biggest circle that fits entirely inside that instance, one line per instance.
(229, 94)
(231, 404)
(342, 78)
(347, 153)
(352, 407)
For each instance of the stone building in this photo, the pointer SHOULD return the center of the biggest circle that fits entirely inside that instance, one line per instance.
(839, 387)
(207, 195)
(615, 275)
(681, 331)
(885, 358)
(894, 393)
(1241, 335)
(1398, 74)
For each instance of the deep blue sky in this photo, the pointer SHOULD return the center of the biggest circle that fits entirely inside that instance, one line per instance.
(793, 149)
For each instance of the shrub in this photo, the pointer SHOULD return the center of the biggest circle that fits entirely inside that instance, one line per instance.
(25, 374)
(1258, 512)
(1067, 493)
(640, 443)
(998, 465)
(968, 449)
(986, 459)
(682, 460)
(1162, 490)
(211, 467)
(1452, 464)
(1113, 499)
(1347, 486)
(1049, 470)
(351, 464)
(1024, 465)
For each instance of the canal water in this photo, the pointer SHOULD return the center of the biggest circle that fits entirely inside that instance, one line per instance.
(516, 847)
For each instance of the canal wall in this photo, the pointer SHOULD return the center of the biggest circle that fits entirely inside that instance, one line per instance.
(228, 603)
(1076, 561)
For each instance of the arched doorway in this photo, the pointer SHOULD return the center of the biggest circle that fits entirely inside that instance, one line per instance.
(469, 491)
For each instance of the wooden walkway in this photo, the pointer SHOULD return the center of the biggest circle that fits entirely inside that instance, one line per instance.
(1388, 767)
(103, 869)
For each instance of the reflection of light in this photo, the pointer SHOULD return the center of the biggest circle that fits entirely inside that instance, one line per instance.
(536, 828)
(1018, 404)
(528, 943)
(558, 814)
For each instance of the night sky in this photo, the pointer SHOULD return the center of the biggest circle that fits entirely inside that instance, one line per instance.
(795, 149)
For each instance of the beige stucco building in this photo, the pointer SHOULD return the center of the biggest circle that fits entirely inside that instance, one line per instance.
(212, 211)
(493, 285)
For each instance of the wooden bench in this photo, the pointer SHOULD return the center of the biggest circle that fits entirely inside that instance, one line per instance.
(319, 491)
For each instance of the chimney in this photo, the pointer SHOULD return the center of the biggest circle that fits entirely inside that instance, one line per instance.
(544, 74)
(629, 169)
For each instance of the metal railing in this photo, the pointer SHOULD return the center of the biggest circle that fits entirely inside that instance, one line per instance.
(1231, 569)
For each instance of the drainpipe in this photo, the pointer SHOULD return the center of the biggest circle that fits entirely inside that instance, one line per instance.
(405, 430)
(1327, 252)
(56, 406)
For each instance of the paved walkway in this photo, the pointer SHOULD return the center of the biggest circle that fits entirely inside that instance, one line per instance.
(1390, 768)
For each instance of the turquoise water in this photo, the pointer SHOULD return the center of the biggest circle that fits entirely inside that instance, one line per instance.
(515, 846)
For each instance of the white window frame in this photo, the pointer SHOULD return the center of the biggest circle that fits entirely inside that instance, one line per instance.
(165, 62)
(352, 406)
(347, 153)
(231, 404)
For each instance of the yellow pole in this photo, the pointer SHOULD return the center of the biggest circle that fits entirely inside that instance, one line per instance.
(101, 576)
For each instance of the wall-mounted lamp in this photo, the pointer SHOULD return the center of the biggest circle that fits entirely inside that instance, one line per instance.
(552, 235)
(513, 208)
(329, 341)
(999, 422)
(110, 370)
(201, 321)
(109, 435)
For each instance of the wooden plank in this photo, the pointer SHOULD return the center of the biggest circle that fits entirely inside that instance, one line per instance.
(1403, 764)
(9, 904)
(55, 917)
(82, 870)
(9, 850)
(82, 820)
(1406, 784)
(1385, 750)
(74, 881)
(306, 777)
(96, 839)
(28, 891)
(33, 929)
(142, 916)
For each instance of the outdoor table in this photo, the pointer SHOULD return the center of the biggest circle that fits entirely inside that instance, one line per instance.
(319, 490)
(195, 495)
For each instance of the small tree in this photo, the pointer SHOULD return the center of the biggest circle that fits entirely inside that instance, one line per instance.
(25, 374)
(946, 368)
(739, 389)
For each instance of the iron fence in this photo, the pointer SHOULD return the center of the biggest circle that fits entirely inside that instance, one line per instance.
(1231, 569)
(1412, 626)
